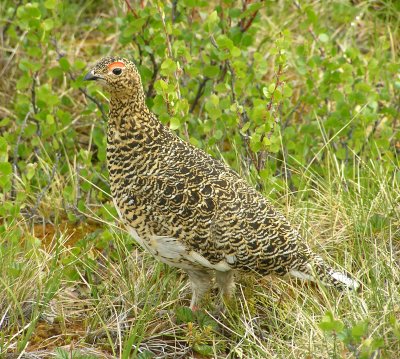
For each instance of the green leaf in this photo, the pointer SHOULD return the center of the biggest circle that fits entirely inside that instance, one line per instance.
(5, 174)
(32, 10)
(214, 99)
(168, 67)
(3, 150)
(184, 315)
(55, 72)
(4, 122)
(48, 24)
(174, 123)
(245, 127)
(255, 142)
(163, 85)
(30, 170)
(360, 329)
(204, 320)
(49, 119)
(329, 324)
(264, 174)
(203, 349)
(64, 64)
(224, 42)
(211, 23)
(323, 37)
(277, 95)
(235, 51)
(271, 87)
(252, 9)
(211, 71)
(50, 4)
(218, 134)
(133, 27)
(24, 82)
(287, 91)
(266, 93)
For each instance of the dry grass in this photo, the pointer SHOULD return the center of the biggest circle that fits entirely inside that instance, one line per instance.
(121, 298)
(81, 288)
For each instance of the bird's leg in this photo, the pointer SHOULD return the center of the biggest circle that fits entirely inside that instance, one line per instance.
(201, 281)
(226, 284)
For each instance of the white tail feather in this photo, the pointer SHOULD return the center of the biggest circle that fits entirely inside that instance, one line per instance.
(350, 283)
(341, 277)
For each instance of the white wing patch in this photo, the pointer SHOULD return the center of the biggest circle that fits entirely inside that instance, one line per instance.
(301, 275)
(167, 247)
(173, 252)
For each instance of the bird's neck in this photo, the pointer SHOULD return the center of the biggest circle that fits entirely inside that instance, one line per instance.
(130, 113)
(131, 124)
(135, 137)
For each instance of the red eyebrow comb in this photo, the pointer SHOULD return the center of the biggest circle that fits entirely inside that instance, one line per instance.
(116, 64)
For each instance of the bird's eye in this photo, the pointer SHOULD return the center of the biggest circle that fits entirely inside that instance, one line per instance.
(117, 71)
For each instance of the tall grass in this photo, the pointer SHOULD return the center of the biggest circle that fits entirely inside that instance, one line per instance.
(121, 302)
(74, 284)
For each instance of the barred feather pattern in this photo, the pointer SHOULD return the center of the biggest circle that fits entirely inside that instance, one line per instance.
(187, 208)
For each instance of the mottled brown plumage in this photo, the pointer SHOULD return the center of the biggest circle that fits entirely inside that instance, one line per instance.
(188, 209)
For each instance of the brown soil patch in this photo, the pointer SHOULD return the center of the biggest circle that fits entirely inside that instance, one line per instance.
(53, 335)
(73, 232)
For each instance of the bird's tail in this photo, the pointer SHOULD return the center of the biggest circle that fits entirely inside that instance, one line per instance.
(315, 269)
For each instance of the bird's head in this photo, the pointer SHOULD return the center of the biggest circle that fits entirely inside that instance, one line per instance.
(117, 75)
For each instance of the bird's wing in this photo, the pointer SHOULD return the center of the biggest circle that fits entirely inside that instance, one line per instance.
(215, 212)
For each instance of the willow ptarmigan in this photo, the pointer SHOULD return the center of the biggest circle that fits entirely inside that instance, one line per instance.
(188, 209)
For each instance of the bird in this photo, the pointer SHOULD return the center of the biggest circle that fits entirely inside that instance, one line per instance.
(189, 209)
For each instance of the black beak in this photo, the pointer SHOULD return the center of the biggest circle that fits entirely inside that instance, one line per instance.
(90, 76)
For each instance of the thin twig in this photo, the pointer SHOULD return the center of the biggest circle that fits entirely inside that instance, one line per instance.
(33, 94)
(15, 156)
(91, 98)
(263, 155)
(244, 28)
(131, 9)
(244, 8)
(11, 19)
(277, 84)
(13, 52)
(199, 93)
(33, 211)
(174, 11)
(154, 77)
(169, 46)
(311, 31)
(35, 111)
